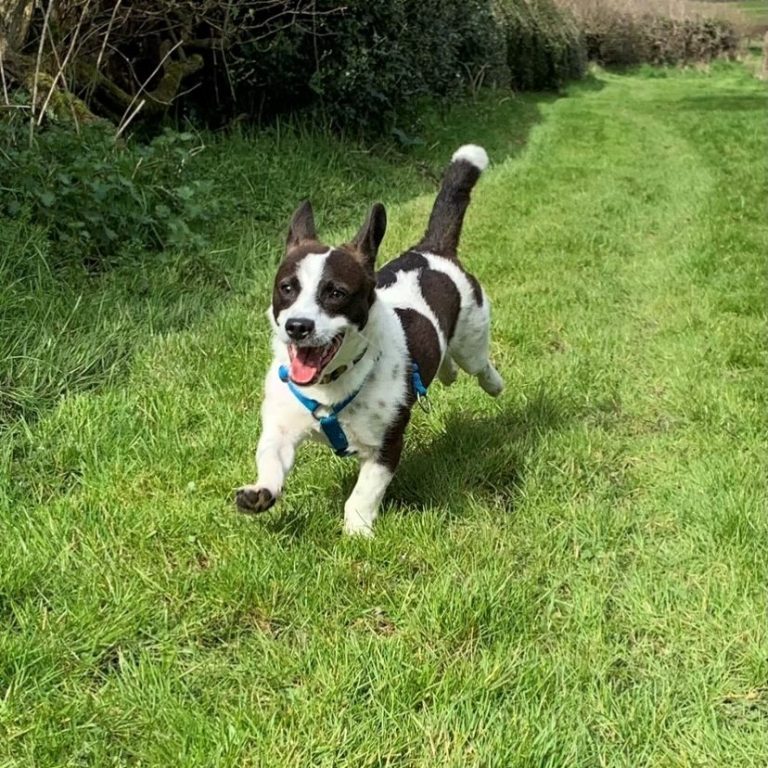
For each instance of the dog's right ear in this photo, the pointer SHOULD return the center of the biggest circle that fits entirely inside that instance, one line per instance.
(302, 225)
(367, 241)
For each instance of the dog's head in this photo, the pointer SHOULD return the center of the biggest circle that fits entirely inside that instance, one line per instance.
(322, 295)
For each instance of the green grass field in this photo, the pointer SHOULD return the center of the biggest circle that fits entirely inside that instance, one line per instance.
(572, 575)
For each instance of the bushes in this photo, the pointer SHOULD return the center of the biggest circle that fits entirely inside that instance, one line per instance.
(360, 66)
(371, 62)
(673, 41)
(361, 62)
(623, 40)
(96, 197)
(544, 46)
(622, 34)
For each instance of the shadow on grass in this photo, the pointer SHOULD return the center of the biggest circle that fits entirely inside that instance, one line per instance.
(63, 330)
(478, 457)
(724, 103)
(588, 83)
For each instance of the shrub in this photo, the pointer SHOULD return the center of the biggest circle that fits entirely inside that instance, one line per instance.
(371, 61)
(543, 44)
(97, 197)
(623, 34)
(361, 62)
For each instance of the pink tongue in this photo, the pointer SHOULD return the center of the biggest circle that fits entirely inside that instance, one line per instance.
(305, 365)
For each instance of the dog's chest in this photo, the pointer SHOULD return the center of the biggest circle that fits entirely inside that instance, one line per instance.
(366, 420)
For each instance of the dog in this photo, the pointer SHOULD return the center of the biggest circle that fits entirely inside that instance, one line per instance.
(354, 348)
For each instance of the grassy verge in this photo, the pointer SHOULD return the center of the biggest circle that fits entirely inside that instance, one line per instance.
(572, 575)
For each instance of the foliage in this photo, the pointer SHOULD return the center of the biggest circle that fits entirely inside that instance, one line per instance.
(97, 196)
(544, 46)
(367, 65)
(360, 64)
(622, 34)
(623, 40)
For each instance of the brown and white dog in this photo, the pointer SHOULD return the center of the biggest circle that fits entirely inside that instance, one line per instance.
(361, 343)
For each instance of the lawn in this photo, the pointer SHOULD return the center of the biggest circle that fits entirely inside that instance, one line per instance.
(571, 575)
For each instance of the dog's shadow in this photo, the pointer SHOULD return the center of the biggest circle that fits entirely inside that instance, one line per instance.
(469, 456)
(482, 457)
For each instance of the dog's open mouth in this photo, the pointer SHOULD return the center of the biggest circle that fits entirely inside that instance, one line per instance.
(308, 363)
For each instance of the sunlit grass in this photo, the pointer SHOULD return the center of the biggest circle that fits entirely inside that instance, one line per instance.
(572, 575)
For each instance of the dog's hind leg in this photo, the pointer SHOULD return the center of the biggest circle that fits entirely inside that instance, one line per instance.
(448, 371)
(490, 380)
(470, 348)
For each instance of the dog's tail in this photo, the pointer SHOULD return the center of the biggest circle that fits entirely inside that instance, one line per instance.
(444, 227)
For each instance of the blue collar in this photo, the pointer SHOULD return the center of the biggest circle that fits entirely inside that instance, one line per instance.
(330, 423)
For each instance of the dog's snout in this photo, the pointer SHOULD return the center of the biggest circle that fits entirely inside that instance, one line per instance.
(298, 328)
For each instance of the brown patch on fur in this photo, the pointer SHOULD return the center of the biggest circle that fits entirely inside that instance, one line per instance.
(286, 273)
(344, 272)
(410, 261)
(422, 341)
(365, 244)
(477, 291)
(302, 226)
(447, 217)
(443, 298)
(392, 446)
(423, 348)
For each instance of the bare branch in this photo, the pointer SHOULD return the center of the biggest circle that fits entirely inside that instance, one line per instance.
(125, 123)
(62, 65)
(38, 65)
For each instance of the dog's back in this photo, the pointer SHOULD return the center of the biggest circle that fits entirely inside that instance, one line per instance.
(442, 307)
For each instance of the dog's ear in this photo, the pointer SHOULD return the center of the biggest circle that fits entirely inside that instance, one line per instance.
(366, 242)
(302, 225)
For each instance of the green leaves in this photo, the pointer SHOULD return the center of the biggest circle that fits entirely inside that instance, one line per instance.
(97, 198)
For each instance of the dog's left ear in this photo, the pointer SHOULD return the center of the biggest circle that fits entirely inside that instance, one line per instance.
(366, 242)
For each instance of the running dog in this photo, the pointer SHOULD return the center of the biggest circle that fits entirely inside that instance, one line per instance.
(354, 348)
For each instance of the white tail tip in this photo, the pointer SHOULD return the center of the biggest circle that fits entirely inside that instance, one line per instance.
(473, 154)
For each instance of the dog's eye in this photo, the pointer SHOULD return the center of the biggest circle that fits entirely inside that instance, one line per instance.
(337, 293)
(286, 288)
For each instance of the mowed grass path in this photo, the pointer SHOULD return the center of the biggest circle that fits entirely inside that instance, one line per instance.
(572, 575)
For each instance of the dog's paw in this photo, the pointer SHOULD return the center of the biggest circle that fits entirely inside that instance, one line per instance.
(358, 528)
(490, 380)
(254, 499)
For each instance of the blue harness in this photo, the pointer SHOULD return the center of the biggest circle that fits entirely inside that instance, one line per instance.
(330, 423)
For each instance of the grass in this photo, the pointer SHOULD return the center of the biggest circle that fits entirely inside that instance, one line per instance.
(573, 575)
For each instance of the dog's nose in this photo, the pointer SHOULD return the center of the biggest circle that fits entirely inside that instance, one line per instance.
(299, 328)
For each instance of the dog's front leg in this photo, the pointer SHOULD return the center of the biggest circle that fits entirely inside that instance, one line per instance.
(274, 459)
(363, 504)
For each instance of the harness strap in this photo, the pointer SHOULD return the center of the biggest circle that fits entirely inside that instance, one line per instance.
(330, 422)
(418, 385)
